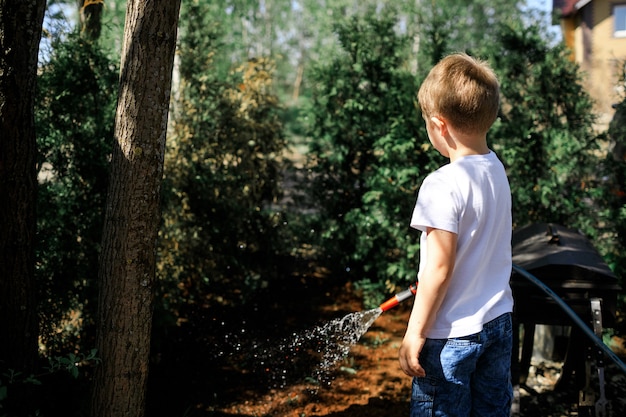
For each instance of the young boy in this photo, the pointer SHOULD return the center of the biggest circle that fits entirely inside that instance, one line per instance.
(459, 336)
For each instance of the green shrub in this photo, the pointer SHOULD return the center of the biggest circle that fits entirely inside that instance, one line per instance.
(368, 153)
(546, 132)
(222, 176)
(75, 113)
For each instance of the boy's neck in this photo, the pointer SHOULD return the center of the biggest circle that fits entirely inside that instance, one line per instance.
(467, 145)
(453, 143)
(460, 152)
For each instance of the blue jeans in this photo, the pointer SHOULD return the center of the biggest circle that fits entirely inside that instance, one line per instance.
(466, 376)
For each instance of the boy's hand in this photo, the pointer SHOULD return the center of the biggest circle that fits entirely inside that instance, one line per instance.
(409, 355)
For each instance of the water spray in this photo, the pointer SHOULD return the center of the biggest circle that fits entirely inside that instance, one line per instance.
(321, 347)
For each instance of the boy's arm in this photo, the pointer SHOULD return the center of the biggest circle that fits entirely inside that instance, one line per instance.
(433, 284)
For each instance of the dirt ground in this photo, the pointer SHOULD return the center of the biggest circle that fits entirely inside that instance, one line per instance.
(228, 371)
(368, 382)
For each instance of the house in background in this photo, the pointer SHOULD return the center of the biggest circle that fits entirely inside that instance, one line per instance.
(595, 31)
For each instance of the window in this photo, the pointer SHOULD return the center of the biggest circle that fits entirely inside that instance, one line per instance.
(619, 18)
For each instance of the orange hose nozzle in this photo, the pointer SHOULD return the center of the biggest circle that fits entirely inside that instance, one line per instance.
(398, 298)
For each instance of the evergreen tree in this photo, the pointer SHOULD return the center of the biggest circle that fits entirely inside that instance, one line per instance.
(368, 152)
(546, 131)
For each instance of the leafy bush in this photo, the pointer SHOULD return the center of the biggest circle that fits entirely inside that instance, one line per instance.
(222, 170)
(368, 153)
(58, 388)
(546, 132)
(75, 113)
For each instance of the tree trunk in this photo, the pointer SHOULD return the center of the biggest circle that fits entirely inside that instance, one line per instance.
(91, 17)
(20, 32)
(127, 262)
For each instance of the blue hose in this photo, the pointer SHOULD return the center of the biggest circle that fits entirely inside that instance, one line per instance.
(572, 314)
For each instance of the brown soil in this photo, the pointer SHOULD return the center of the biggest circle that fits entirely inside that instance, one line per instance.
(200, 376)
(368, 382)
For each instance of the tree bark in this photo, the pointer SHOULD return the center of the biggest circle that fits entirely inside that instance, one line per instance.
(91, 17)
(127, 263)
(20, 32)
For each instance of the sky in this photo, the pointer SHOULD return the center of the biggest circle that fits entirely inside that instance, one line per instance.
(546, 7)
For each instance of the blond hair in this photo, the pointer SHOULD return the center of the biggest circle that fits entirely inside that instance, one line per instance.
(464, 91)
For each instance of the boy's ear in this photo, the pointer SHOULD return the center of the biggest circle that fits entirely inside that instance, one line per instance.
(440, 123)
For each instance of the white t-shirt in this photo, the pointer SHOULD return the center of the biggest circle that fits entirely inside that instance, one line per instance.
(470, 197)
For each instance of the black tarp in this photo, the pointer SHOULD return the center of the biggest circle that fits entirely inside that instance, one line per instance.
(556, 253)
(567, 262)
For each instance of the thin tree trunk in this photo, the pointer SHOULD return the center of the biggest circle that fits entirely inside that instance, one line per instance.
(298, 82)
(127, 264)
(91, 17)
